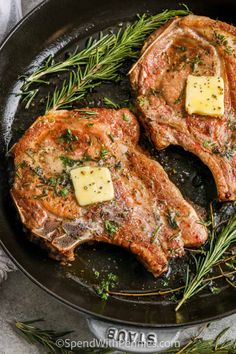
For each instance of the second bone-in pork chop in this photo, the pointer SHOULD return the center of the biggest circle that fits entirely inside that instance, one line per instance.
(197, 46)
(147, 213)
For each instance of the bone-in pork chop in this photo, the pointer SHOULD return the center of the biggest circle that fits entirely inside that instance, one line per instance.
(197, 46)
(147, 215)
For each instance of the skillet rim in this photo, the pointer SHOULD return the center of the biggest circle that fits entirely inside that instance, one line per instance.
(108, 319)
(75, 307)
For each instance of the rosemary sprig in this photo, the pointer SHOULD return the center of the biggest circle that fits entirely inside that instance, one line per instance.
(47, 338)
(210, 346)
(98, 62)
(219, 243)
(42, 74)
(229, 260)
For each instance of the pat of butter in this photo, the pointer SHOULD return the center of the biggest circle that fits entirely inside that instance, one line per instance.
(92, 184)
(205, 95)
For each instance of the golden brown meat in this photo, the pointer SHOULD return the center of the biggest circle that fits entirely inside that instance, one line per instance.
(148, 215)
(199, 46)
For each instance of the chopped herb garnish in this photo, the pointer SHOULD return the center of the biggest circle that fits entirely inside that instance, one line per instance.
(118, 165)
(214, 289)
(212, 146)
(206, 144)
(22, 164)
(96, 273)
(111, 137)
(39, 172)
(63, 179)
(125, 117)
(30, 153)
(179, 99)
(194, 62)
(109, 103)
(141, 101)
(173, 298)
(221, 40)
(52, 181)
(164, 281)
(171, 219)
(103, 152)
(181, 48)
(228, 153)
(155, 233)
(63, 192)
(110, 227)
(42, 195)
(59, 184)
(68, 162)
(174, 236)
(87, 113)
(106, 284)
(68, 138)
(155, 92)
(90, 124)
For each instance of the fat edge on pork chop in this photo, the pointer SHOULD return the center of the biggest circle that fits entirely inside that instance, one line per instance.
(198, 46)
(148, 214)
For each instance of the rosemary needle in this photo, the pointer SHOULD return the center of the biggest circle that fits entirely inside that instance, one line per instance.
(98, 62)
(219, 243)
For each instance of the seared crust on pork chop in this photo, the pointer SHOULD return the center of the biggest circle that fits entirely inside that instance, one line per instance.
(198, 46)
(150, 216)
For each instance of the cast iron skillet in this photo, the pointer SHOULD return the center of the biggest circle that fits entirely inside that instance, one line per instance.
(57, 26)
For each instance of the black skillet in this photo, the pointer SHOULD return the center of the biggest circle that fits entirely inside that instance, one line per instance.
(57, 26)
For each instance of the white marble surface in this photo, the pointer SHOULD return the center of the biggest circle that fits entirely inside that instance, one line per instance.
(20, 299)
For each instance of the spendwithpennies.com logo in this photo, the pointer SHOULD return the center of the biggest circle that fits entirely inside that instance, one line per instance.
(74, 344)
(68, 343)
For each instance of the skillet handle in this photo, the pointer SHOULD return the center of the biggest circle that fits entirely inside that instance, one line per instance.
(133, 339)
